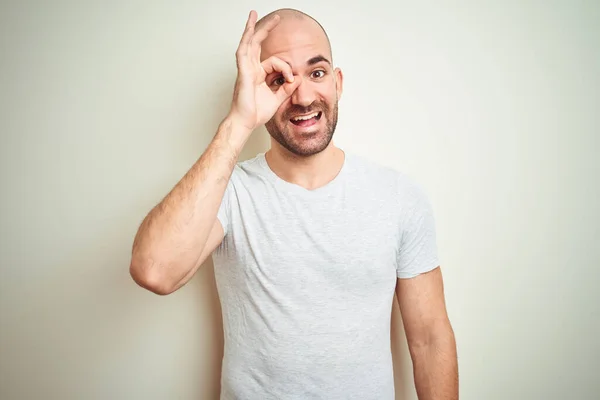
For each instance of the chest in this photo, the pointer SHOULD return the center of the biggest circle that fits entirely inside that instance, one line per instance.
(344, 245)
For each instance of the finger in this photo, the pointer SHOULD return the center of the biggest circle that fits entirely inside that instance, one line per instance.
(275, 64)
(287, 89)
(248, 32)
(263, 31)
(260, 34)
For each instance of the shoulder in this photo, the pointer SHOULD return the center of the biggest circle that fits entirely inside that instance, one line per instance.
(246, 171)
(391, 187)
(249, 166)
(382, 175)
(371, 176)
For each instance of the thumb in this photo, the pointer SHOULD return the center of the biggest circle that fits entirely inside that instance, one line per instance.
(288, 88)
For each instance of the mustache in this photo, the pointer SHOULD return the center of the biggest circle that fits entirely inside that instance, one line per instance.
(296, 109)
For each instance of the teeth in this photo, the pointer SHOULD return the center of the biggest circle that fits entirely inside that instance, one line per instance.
(305, 117)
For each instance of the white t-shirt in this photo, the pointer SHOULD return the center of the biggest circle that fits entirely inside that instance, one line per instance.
(306, 279)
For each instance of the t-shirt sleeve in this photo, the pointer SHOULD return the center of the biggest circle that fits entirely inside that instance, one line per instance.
(418, 251)
(224, 213)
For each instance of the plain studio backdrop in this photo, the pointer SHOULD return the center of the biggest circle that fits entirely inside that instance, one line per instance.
(492, 106)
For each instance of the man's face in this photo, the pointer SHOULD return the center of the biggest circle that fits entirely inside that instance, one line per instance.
(304, 123)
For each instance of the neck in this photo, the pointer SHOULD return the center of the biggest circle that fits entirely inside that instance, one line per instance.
(310, 172)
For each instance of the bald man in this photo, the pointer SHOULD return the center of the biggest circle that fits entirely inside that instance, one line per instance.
(309, 242)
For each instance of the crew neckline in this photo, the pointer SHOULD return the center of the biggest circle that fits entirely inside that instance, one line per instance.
(285, 185)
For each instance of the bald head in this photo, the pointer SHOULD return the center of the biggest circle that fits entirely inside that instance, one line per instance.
(305, 122)
(290, 16)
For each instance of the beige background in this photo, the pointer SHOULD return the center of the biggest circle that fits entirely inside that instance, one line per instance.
(492, 106)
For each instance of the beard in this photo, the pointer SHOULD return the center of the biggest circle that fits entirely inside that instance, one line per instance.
(311, 143)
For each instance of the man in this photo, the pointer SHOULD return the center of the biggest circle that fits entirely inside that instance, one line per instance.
(309, 243)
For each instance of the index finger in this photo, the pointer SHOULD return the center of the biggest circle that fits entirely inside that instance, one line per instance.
(249, 29)
(275, 64)
(260, 35)
(263, 31)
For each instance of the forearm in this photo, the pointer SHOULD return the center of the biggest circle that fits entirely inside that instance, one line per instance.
(172, 236)
(435, 366)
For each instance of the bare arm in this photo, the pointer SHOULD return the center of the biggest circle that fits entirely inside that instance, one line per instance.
(170, 241)
(430, 336)
(182, 230)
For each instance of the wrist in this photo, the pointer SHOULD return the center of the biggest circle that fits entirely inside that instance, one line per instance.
(234, 132)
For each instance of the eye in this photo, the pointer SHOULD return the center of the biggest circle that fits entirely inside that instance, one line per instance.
(318, 74)
(278, 81)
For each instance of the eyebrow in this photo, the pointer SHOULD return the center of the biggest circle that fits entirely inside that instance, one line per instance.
(317, 59)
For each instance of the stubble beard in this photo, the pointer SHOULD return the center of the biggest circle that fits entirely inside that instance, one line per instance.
(311, 144)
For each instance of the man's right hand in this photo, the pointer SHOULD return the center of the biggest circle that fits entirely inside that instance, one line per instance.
(254, 100)
(178, 234)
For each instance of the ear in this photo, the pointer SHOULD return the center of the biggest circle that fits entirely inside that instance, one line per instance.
(339, 82)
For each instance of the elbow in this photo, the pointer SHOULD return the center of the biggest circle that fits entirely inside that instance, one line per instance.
(147, 277)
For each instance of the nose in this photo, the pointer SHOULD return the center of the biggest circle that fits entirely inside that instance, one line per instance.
(304, 95)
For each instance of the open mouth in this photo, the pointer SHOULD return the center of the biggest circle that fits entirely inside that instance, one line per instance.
(307, 120)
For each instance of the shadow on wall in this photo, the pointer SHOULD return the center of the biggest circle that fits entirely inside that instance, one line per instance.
(84, 329)
(87, 319)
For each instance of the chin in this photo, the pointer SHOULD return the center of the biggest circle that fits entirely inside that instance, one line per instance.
(302, 142)
(305, 145)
